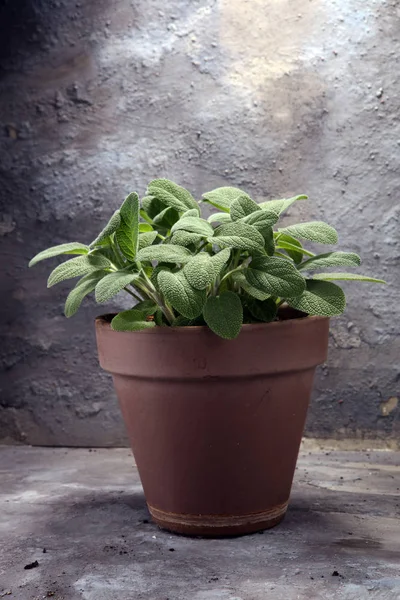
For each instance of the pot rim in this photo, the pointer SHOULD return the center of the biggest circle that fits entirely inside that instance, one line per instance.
(102, 321)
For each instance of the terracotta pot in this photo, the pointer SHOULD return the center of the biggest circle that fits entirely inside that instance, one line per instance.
(215, 425)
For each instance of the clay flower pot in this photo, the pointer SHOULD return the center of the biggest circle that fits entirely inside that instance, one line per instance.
(215, 425)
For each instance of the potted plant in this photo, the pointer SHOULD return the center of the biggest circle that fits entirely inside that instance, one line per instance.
(214, 363)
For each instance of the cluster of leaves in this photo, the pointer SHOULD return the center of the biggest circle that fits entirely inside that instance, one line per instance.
(181, 269)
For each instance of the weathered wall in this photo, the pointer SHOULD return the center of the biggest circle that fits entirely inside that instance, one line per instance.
(278, 97)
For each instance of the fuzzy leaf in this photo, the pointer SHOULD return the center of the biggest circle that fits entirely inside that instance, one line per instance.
(112, 284)
(146, 239)
(147, 307)
(242, 207)
(159, 318)
(241, 281)
(76, 267)
(320, 298)
(199, 271)
(131, 320)
(154, 274)
(264, 311)
(220, 259)
(269, 246)
(219, 217)
(108, 230)
(145, 227)
(128, 231)
(180, 294)
(275, 276)
(166, 218)
(203, 269)
(293, 247)
(171, 194)
(313, 231)
(224, 315)
(239, 235)
(194, 225)
(192, 212)
(346, 277)
(152, 206)
(185, 238)
(261, 219)
(331, 259)
(183, 322)
(280, 206)
(222, 197)
(84, 286)
(70, 248)
(167, 253)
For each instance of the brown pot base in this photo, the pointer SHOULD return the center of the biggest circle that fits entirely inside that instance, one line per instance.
(218, 525)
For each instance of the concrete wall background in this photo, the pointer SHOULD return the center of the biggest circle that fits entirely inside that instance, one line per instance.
(278, 97)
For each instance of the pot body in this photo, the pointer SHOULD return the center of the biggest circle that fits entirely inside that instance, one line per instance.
(215, 425)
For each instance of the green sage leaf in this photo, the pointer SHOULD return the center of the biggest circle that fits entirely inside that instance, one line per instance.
(146, 239)
(112, 284)
(224, 315)
(261, 219)
(128, 232)
(243, 206)
(313, 231)
(185, 238)
(199, 271)
(167, 253)
(293, 247)
(321, 298)
(280, 206)
(222, 197)
(192, 212)
(108, 230)
(171, 194)
(238, 235)
(152, 206)
(242, 282)
(264, 311)
(219, 260)
(145, 227)
(346, 277)
(194, 225)
(85, 286)
(275, 276)
(131, 320)
(331, 259)
(180, 294)
(70, 248)
(147, 307)
(219, 217)
(76, 267)
(166, 218)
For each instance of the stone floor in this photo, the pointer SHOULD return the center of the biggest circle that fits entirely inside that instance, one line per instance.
(80, 517)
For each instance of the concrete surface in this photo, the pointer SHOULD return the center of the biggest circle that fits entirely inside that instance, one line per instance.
(81, 515)
(278, 97)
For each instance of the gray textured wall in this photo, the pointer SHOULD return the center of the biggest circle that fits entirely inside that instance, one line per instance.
(275, 96)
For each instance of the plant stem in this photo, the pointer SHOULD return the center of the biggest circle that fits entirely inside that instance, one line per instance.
(158, 298)
(236, 259)
(229, 273)
(138, 298)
